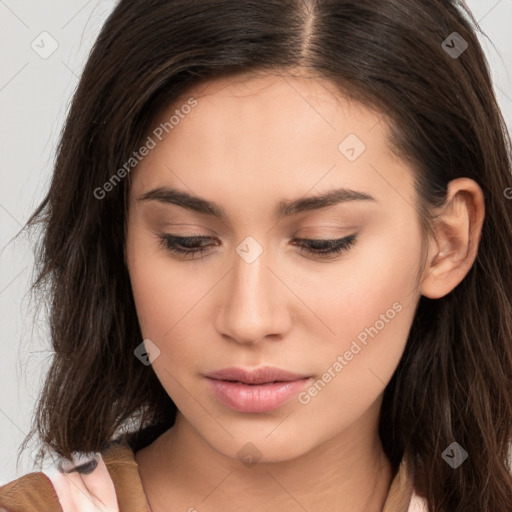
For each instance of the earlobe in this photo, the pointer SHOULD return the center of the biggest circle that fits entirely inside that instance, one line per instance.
(457, 232)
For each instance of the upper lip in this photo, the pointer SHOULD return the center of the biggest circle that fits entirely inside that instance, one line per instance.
(261, 375)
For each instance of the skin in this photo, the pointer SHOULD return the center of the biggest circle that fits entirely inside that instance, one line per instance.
(251, 142)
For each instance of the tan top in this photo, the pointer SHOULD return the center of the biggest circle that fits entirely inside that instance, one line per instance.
(109, 481)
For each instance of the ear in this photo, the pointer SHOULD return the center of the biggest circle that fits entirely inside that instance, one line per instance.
(457, 231)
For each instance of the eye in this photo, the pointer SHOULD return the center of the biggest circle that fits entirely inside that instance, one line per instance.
(192, 245)
(326, 248)
(184, 245)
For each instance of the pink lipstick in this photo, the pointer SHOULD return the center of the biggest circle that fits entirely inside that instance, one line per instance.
(259, 390)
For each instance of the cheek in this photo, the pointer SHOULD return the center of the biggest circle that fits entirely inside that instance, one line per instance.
(351, 295)
(369, 306)
(167, 304)
(354, 369)
(160, 289)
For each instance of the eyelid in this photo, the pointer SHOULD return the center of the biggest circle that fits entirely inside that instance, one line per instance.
(333, 247)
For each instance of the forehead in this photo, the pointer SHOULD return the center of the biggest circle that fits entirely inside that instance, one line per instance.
(265, 108)
(263, 133)
(276, 101)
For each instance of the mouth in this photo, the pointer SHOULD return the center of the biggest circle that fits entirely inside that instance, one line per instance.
(253, 383)
(255, 391)
(261, 375)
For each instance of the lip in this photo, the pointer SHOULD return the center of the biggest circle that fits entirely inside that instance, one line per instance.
(259, 390)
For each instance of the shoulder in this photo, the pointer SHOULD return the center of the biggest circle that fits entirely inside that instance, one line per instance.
(109, 479)
(32, 492)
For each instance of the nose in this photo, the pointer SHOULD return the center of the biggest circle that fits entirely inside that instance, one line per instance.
(254, 302)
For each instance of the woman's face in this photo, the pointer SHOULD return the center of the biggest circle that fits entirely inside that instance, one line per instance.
(262, 152)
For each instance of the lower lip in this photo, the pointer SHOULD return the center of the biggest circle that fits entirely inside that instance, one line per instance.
(255, 398)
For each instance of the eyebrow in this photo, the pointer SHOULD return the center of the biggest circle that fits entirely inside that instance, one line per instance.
(169, 195)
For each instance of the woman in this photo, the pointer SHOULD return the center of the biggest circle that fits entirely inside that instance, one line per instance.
(277, 245)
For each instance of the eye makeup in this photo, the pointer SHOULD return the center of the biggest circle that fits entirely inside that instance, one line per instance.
(199, 245)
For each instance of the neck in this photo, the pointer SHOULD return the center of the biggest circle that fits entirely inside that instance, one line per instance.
(347, 473)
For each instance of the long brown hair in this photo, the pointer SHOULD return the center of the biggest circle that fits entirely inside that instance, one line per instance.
(454, 381)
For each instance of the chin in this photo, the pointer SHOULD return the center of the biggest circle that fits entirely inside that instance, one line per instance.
(256, 445)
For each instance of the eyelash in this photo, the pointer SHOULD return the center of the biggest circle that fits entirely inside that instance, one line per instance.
(321, 248)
